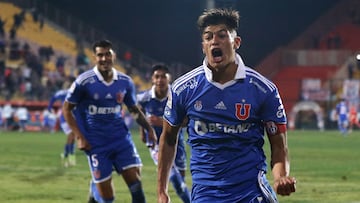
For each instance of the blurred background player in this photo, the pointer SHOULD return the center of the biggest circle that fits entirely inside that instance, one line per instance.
(353, 118)
(68, 156)
(152, 103)
(342, 113)
(98, 95)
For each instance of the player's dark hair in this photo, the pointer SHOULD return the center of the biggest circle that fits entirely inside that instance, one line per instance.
(157, 67)
(102, 43)
(216, 16)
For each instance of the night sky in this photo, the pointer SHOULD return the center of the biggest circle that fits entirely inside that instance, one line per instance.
(166, 31)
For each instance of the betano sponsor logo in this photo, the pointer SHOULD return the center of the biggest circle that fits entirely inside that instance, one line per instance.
(103, 110)
(202, 128)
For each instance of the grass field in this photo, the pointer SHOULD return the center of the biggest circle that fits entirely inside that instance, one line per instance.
(326, 165)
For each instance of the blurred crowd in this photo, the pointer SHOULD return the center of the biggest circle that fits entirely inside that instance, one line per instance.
(29, 71)
(21, 119)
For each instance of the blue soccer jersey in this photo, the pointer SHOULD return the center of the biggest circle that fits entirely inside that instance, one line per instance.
(226, 122)
(155, 106)
(99, 104)
(152, 106)
(59, 95)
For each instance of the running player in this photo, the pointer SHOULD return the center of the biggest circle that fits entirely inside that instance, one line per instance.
(68, 156)
(152, 103)
(342, 112)
(98, 95)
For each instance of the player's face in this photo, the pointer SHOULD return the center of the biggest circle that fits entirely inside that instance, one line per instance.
(104, 58)
(219, 45)
(160, 79)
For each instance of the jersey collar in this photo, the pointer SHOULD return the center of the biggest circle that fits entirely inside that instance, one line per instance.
(100, 77)
(153, 94)
(240, 72)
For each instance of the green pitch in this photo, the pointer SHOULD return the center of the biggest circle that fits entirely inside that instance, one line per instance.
(326, 165)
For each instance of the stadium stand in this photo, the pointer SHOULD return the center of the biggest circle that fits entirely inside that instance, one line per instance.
(321, 51)
(51, 35)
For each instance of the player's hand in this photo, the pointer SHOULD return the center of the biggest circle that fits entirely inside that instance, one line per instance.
(155, 120)
(163, 198)
(152, 138)
(285, 185)
(142, 136)
(82, 143)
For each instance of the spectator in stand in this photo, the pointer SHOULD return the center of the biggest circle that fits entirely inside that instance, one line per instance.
(19, 18)
(41, 22)
(2, 30)
(60, 64)
(45, 53)
(82, 61)
(3, 56)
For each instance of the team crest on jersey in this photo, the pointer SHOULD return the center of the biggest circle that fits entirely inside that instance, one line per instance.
(198, 105)
(96, 173)
(96, 96)
(242, 111)
(119, 97)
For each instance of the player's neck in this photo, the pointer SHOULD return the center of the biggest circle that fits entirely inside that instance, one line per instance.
(107, 75)
(160, 94)
(224, 74)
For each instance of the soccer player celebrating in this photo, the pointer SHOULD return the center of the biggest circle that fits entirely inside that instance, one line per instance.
(152, 103)
(98, 95)
(229, 106)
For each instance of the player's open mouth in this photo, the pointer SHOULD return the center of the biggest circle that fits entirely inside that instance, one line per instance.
(217, 54)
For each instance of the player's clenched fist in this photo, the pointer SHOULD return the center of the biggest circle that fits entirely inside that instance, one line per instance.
(285, 185)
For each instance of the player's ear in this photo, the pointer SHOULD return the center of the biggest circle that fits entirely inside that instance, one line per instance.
(237, 42)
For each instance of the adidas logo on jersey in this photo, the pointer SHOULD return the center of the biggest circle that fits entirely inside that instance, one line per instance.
(220, 105)
(108, 96)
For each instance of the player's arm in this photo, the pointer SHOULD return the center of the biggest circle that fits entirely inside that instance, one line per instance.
(280, 164)
(51, 103)
(70, 119)
(167, 150)
(141, 129)
(141, 120)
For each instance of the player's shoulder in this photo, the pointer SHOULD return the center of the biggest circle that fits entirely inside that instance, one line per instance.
(61, 92)
(122, 76)
(257, 79)
(143, 96)
(188, 80)
(88, 76)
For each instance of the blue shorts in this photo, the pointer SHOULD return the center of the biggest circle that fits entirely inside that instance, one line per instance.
(180, 158)
(103, 160)
(258, 191)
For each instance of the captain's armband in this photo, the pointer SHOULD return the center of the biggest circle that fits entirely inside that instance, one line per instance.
(273, 128)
